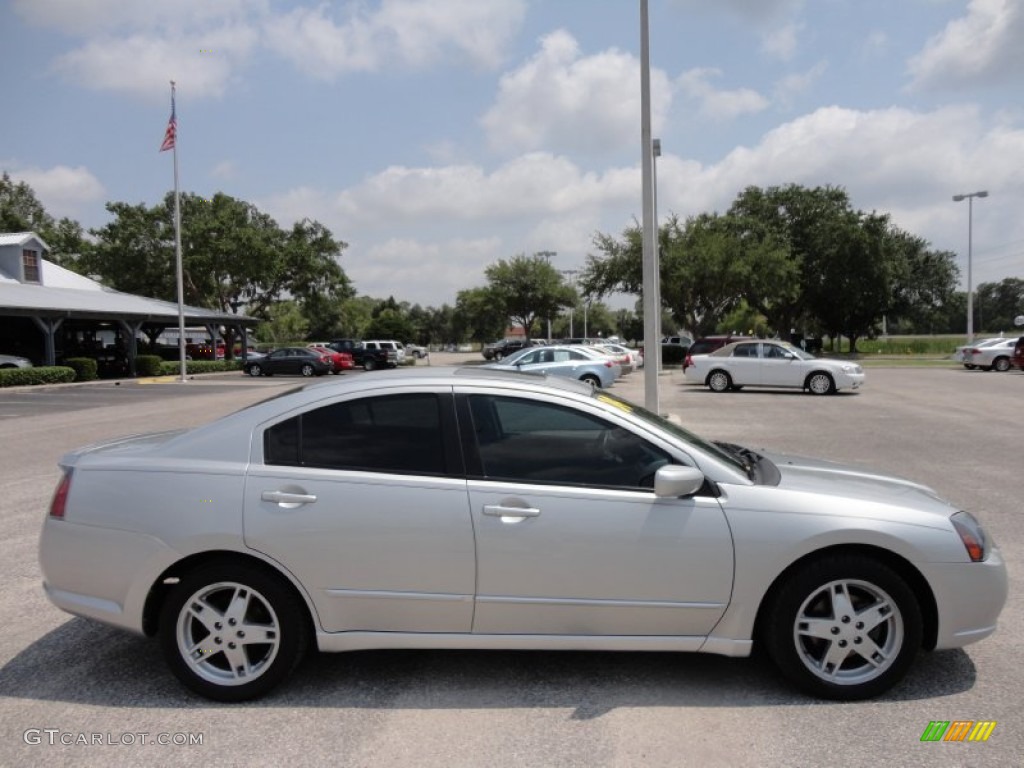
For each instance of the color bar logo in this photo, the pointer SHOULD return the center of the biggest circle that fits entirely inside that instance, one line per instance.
(958, 730)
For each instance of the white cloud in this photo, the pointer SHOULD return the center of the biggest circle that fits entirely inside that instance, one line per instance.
(720, 105)
(781, 43)
(982, 48)
(62, 190)
(793, 85)
(566, 102)
(78, 17)
(403, 32)
(143, 64)
(224, 170)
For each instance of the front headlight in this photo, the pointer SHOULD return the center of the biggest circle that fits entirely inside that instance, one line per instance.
(972, 535)
(850, 368)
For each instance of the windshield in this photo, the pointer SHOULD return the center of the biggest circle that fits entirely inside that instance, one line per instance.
(668, 426)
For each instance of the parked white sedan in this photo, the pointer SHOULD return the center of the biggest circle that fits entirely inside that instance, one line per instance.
(771, 364)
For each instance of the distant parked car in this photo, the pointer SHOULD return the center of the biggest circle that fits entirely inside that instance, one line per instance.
(960, 353)
(772, 364)
(994, 357)
(708, 344)
(294, 360)
(572, 362)
(415, 350)
(13, 361)
(340, 361)
(504, 348)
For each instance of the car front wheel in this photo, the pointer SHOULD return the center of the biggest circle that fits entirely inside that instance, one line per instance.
(231, 631)
(369, 365)
(821, 384)
(844, 628)
(719, 381)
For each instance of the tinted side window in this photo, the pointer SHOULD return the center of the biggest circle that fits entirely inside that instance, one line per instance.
(396, 433)
(535, 442)
(745, 350)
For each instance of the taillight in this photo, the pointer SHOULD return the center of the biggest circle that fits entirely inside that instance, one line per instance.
(608, 363)
(60, 496)
(687, 362)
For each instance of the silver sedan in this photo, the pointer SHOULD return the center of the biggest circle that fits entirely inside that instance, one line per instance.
(460, 508)
(991, 357)
(571, 361)
(771, 364)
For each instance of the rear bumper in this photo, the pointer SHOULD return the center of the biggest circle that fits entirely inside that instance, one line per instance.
(101, 573)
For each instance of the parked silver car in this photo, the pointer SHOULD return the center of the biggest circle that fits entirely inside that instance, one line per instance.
(992, 357)
(771, 364)
(467, 508)
(13, 361)
(960, 353)
(574, 362)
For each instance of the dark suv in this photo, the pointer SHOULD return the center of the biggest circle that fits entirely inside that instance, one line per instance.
(1017, 360)
(708, 344)
(504, 348)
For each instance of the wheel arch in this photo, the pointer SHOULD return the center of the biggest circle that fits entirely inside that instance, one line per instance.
(903, 567)
(160, 589)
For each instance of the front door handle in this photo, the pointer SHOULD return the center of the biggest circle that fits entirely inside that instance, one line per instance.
(510, 514)
(288, 499)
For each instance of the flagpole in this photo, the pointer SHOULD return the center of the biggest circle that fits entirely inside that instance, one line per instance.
(177, 250)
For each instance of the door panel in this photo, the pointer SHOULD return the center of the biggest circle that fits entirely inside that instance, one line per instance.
(598, 562)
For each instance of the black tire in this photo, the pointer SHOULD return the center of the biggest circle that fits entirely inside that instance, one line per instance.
(369, 364)
(307, 370)
(827, 611)
(820, 383)
(255, 370)
(1001, 364)
(498, 356)
(591, 379)
(204, 608)
(969, 367)
(719, 381)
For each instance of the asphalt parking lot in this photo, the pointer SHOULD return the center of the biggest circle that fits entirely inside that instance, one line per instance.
(62, 677)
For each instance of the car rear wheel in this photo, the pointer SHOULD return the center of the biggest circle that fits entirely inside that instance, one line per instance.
(719, 381)
(1001, 364)
(969, 367)
(307, 370)
(591, 379)
(255, 370)
(821, 384)
(498, 355)
(231, 631)
(844, 628)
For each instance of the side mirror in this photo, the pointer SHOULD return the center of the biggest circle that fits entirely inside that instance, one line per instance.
(673, 481)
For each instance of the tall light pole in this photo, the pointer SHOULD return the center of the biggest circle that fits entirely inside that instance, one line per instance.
(652, 310)
(970, 237)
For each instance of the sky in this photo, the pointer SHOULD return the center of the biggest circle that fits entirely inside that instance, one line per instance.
(435, 137)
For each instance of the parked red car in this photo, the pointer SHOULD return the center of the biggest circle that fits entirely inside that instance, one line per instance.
(342, 361)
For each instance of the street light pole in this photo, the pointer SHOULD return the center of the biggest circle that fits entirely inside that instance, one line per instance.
(652, 311)
(970, 255)
(571, 275)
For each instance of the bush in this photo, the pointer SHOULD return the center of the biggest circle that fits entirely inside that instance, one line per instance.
(200, 366)
(148, 365)
(46, 374)
(85, 368)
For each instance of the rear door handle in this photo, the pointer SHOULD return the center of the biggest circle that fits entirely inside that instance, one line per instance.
(288, 500)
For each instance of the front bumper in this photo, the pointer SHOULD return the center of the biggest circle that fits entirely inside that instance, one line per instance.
(969, 596)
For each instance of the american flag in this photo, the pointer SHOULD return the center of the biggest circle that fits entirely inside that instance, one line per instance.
(172, 128)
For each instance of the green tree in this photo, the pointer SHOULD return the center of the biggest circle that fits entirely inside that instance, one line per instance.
(21, 211)
(997, 304)
(390, 324)
(284, 324)
(477, 317)
(528, 288)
